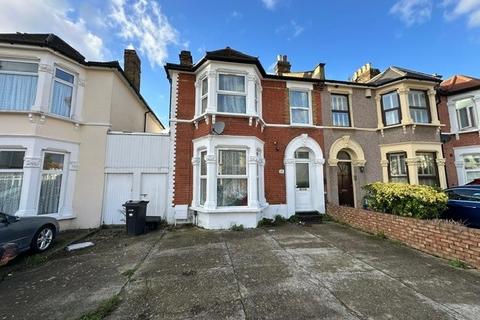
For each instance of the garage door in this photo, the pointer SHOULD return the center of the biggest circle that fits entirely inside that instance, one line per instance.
(153, 190)
(118, 191)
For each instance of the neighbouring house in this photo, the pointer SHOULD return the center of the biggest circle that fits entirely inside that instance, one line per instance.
(56, 112)
(247, 145)
(459, 110)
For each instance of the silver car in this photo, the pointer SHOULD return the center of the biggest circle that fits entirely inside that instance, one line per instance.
(27, 233)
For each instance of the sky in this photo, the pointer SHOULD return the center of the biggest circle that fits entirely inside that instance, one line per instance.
(432, 36)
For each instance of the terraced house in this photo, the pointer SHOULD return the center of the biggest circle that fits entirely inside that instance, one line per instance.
(56, 110)
(246, 144)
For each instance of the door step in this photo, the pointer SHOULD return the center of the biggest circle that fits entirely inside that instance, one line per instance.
(309, 217)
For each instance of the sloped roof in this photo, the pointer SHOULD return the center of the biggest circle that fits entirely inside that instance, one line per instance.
(459, 83)
(394, 73)
(229, 53)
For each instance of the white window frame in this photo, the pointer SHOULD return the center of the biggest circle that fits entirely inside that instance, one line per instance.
(236, 93)
(309, 99)
(73, 85)
(465, 170)
(398, 155)
(23, 73)
(15, 170)
(220, 176)
(202, 177)
(203, 96)
(471, 122)
(411, 107)
(347, 96)
(63, 185)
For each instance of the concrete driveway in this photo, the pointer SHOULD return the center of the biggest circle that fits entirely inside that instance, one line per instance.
(325, 271)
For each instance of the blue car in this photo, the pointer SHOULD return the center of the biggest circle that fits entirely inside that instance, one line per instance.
(464, 205)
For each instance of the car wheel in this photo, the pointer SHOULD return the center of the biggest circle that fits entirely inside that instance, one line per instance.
(43, 239)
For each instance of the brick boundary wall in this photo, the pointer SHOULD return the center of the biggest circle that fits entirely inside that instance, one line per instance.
(435, 237)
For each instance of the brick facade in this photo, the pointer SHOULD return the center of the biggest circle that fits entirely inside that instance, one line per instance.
(435, 237)
(275, 110)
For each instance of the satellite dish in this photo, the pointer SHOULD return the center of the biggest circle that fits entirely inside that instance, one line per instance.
(218, 127)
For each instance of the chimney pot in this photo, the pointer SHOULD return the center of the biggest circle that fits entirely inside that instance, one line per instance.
(132, 67)
(365, 73)
(282, 66)
(186, 58)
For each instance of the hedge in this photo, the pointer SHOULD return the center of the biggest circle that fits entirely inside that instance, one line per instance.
(418, 201)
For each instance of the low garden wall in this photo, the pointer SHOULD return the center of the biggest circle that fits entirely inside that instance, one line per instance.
(437, 237)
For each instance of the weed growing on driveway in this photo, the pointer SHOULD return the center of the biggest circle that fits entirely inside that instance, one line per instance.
(458, 264)
(103, 310)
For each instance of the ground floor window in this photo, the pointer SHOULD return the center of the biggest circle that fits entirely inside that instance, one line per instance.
(397, 167)
(51, 183)
(427, 169)
(203, 177)
(232, 189)
(11, 178)
(472, 166)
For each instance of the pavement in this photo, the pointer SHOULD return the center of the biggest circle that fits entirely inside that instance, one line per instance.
(325, 271)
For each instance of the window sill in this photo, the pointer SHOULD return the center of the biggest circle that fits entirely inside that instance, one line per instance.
(299, 125)
(40, 113)
(243, 209)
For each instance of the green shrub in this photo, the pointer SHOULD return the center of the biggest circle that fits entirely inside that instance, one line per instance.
(237, 227)
(406, 200)
(279, 220)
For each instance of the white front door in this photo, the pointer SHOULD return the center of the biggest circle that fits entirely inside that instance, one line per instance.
(303, 190)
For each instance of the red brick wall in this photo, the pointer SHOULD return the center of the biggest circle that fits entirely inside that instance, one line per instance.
(464, 140)
(275, 111)
(435, 237)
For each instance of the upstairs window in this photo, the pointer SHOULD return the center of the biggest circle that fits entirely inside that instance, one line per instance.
(397, 167)
(391, 109)
(340, 111)
(417, 101)
(231, 94)
(18, 85)
(204, 96)
(62, 93)
(11, 178)
(299, 107)
(427, 169)
(232, 178)
(466, 114)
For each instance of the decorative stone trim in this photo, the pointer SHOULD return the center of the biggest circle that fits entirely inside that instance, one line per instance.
(441, 162)
(384, 163)
(45, 68)
(195, 161)
(359, 163)
(74, 166)
(32, 162)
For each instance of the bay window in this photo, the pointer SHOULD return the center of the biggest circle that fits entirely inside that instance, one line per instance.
(417, 101)
(11, 178)
(299, 107)
(232, 95)
(232, 188)
(427, 169)
(51, 183)
(340, 110)
(204, 95)
(466, 114)
(18, 85)
(391, 109)
(471, 166)
(397, 167)
(62, 93)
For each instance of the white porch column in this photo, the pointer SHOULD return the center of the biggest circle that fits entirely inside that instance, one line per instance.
(195, 184)
(250, 95)
(290, 184)
(261, 178)
(412, 170)
(442, 178)
(70, 174)
(319, 192)
(252, 182)
(460, 165)
(210, 201)
(30, 185)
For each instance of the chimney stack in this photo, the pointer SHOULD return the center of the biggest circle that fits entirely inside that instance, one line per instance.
(132, 67)
(365, 73)
(185, 58)
(282, 66)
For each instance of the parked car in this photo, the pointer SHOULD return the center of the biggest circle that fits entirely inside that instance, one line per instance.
(464, 205)
(27, 233)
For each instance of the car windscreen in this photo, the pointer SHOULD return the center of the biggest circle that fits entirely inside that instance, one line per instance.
(464, 194)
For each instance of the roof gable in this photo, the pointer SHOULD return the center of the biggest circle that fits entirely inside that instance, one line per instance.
(460, 83)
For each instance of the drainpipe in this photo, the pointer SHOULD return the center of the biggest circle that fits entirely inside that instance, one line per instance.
(145, 121)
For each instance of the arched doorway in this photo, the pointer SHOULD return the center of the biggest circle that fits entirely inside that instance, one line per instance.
(304, 175)
(345, 179)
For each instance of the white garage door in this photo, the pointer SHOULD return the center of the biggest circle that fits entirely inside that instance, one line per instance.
(153, 190)
(118, 191)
